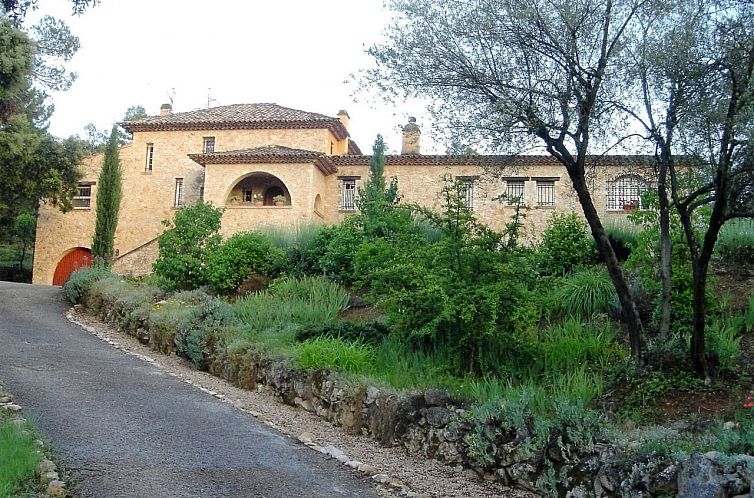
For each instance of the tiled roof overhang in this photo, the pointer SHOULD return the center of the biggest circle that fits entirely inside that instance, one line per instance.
(491, 160)
(269, 155)
(334, 126)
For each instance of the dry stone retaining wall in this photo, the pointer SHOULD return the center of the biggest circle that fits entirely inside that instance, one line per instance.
(429, 423)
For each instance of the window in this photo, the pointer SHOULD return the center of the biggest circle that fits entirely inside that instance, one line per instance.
(247, 197)
(348, 201)
(545, 193)
(467, 189)
(179, 192)
(624, 193)
(150, 157)
(515, 191)
(83, 197)
(209, 145)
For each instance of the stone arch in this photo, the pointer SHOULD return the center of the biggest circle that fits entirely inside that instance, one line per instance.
(73, 259)
(256, 188)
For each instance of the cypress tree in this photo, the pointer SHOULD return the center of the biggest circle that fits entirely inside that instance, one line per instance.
(108, 201)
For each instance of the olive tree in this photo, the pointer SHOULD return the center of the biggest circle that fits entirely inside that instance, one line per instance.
(693, 70)
(519, 72)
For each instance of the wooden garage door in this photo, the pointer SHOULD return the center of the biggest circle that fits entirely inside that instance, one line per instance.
(78, 258)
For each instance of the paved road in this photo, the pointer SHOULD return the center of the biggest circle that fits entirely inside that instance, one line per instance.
(125, 429)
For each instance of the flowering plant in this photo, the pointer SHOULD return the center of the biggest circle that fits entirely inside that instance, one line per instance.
(749, 403)
(257, 197)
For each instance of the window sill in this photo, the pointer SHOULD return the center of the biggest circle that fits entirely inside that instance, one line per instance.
(231, 206)
(549, 206)
(81, 208)
(146, 172)
(342, 210)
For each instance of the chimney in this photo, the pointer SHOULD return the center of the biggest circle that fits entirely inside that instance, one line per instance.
(411, 135)
(344, 118)
(166, 109)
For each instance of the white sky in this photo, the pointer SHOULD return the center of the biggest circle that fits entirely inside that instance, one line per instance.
(296, 53)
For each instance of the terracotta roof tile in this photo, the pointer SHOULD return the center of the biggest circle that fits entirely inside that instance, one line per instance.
(489, 160)
(238, 116)
(269, 154)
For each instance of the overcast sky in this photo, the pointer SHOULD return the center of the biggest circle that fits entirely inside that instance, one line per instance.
(296, 53)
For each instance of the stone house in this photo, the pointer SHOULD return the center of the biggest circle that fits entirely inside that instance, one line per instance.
(265, 164)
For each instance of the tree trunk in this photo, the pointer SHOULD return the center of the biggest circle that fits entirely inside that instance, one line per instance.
(698, 356)
(666, 248)
(630, 313)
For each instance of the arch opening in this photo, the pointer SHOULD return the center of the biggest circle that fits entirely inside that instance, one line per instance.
(258, 189)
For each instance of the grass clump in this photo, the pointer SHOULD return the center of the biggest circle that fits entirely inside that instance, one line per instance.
(355, 357)
(18, 458)
(735, 244)
(307, 302)
(81, 281)
(586, 292)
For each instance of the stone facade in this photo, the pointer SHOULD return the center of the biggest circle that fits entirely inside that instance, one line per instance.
(233, 154)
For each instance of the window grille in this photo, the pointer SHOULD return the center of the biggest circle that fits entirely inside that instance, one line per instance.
(83, 197)
(348, 202)
(515, 192)
(624, 193)
(545, 193)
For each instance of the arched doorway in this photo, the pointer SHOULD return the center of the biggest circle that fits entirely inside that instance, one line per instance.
(270, 193)
(79, 257)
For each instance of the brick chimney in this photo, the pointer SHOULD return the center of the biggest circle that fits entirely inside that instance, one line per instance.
(411, 135)
(344, 118)
(166, 109)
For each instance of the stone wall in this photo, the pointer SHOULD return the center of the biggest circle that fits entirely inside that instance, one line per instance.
(431, 424)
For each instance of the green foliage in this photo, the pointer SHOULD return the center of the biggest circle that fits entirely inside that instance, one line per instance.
(376, 201)
(333, 352)
(300, 246)
(565, 245)
(645, 390)
(308, 302)
(239, 257)
(586, 292)
(186, 245)
(108, 201)
(198, 327)
(460, 293)
(735, 243)
(573, 345)
(644, 262)
(722, 342)
(368, 332)
(622, 234)
(80, 282)
(19, 457)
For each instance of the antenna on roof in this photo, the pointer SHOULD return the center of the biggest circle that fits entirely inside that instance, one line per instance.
(171, 96)
(210, 100)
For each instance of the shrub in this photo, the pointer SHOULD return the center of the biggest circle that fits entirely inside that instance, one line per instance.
(622, 235)
(368, 332)
(586, 292)
(329, 352)
(185, 244)
(723, 342)
(565, 245)
(239, 257)
(198, 327)
(80, 282)
(735, 242)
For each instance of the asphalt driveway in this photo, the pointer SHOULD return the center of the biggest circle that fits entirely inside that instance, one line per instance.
(123, 428)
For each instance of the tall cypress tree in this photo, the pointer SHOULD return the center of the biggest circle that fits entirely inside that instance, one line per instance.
(108, 201)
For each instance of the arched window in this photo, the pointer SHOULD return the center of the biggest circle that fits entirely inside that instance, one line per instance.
(624, 193)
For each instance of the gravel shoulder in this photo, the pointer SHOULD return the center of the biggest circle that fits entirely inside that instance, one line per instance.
(411, 473)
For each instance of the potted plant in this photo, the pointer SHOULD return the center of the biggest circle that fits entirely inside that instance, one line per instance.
(257, 199)
(280, 200)
(631, 206)
(234, 199)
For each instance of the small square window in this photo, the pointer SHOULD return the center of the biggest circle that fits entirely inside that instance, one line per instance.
(545, 193)
(209, 145)
(83, 197)
(467, 191)
(247, 197)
